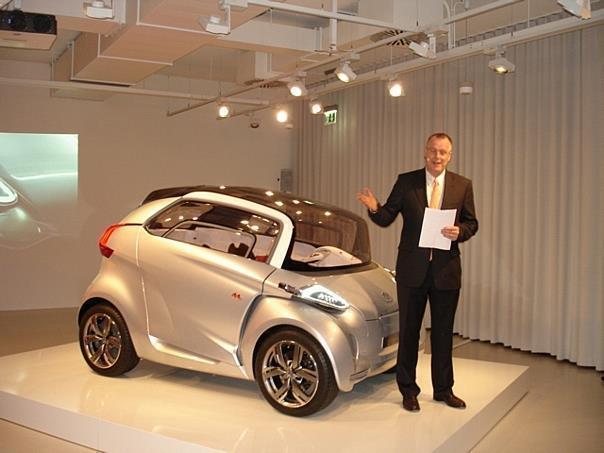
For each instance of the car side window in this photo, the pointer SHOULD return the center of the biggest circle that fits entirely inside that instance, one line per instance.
(217, 227)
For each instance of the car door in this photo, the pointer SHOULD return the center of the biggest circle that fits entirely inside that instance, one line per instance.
(200, 275)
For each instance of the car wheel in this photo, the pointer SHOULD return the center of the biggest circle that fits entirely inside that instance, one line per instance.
(294, 373)
(105, 341)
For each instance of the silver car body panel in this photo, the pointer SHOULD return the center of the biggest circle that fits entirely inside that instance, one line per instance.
(211, 312)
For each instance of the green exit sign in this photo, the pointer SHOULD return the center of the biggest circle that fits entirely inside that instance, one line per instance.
(330, 115)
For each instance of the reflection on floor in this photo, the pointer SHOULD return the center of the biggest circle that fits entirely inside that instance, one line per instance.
(158, 408)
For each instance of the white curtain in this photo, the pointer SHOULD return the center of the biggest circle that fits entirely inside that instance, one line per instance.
(532, 143)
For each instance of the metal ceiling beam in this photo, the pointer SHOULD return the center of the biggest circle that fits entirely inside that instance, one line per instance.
(123, 90)
(324, 13)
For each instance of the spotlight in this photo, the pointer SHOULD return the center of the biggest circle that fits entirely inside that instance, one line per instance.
(297, 88)
(395, 88)
(218, 25)
(98, 10)
(579, 8)
(282, 115)
(500, 64)
(315, 106)
(224, 111)
(345, 72)
(422, 49)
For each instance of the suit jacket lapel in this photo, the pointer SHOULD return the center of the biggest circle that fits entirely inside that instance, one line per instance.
(420, 188)
(449, 191)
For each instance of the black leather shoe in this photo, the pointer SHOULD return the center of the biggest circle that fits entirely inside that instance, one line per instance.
(410, 403)
(451, 400)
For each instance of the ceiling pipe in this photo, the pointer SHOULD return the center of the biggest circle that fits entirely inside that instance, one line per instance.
(333, 28)
(123, 90)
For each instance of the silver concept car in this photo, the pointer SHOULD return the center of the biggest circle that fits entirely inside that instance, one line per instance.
(246, 283)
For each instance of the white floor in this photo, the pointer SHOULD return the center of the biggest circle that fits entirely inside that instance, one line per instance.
(157, 408)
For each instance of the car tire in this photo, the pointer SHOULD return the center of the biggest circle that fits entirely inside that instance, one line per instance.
(294, 373)
(105, 341)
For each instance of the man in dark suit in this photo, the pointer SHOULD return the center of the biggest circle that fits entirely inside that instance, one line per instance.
(424, 273)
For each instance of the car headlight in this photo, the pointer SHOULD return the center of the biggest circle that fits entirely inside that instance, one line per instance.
(318, 295)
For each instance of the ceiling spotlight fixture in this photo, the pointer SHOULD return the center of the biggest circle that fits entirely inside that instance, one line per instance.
(282, 116)
(423, 49)
(500, 64)
(218, 25)
(579, 8)
(315, 106)
(297, 88)
(345, 72)
(224, 110)
(98, 10)
(395, 87)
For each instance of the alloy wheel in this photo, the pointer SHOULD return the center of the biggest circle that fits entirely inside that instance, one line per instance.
(102, 340)
(289, 374)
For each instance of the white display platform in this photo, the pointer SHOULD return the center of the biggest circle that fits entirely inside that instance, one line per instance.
(158, 409)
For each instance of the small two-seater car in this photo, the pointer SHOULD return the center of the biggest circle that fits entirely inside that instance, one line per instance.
(246, 283)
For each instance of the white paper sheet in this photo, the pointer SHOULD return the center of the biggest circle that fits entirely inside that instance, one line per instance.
(434, 221)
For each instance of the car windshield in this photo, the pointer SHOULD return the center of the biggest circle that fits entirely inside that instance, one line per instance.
(324, 236)
(327, 237)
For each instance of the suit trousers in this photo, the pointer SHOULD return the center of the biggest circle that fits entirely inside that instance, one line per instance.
(412, 305)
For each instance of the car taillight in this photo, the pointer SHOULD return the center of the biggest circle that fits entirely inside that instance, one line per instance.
(107, 251)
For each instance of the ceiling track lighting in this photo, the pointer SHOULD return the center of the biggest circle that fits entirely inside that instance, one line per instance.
(344, 72)
(315, 106)
(395, 87)
(97, 9)
(424, 49)
(500, 64)
(221, 25)
(224, 110)
(297, 88)
(282, 115)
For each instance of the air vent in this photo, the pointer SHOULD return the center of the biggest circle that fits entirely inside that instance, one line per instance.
(398, 42)
(273, 84)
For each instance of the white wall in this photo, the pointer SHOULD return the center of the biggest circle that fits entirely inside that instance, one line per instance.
(127, 147)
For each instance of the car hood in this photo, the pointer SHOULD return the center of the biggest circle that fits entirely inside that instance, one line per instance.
(370, 289)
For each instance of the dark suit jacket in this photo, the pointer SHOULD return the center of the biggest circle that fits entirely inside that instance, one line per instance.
(408, 197)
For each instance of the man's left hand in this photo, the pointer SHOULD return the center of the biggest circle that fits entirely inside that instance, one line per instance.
(450, 232)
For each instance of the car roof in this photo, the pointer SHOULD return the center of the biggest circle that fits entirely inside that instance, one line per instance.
(281, 201)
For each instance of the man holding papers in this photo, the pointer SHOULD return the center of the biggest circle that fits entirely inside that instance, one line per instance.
(437, 207)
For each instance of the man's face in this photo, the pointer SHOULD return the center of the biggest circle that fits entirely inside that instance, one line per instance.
(437, 155)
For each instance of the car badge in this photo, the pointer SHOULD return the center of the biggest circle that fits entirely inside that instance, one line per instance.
(387, 297)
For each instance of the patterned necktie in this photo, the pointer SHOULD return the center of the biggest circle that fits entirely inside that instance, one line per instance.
(435, 198)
